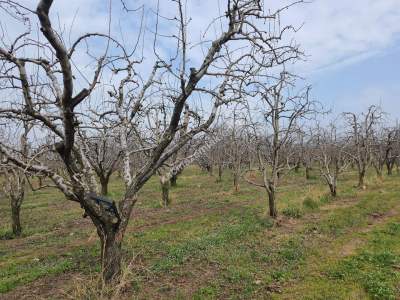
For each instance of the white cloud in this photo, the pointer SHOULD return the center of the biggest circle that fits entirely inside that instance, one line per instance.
(341, 32)
(334, 33)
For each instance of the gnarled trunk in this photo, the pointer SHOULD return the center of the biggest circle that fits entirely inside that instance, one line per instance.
(111, 222)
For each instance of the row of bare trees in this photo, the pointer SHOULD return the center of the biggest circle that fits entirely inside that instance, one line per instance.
(96, 102)
(289, 136)
(118, 110)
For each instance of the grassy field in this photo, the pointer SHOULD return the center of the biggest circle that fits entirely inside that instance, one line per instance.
(213, 243)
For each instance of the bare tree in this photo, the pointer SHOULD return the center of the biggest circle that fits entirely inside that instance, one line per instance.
(282, 113)
(237, 146)
(307, 154)
(15, 181)
(103, 154)
(134, 102)
(362, 139)
(218, 153)
(331, 156)
(392, 149)
(180, 154)
(209, 141)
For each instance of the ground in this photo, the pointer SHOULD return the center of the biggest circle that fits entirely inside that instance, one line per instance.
(214, 243)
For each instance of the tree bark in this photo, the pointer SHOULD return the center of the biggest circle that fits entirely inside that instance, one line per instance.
(308, 175)
(210, 170)
(379, 173)
(165, 192)
(236, 182)
(272, 204)
(332, 189)
(389, 169)
(173, 180)
(297, 168)
(111, 255)
(361, 176)
(219, 174)
(104, 185)
(15, 219)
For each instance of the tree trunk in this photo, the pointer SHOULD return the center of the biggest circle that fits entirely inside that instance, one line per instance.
(104, 187)
(219, 174)
(361, 176)
(332, 188)
(173, 180)
(272, 204)
(165, 192)
(104, 180)
(111, 255)
(15, 219)
(389, 169)
(236, 182)
(297, 168)
(379, 173)
(210, 170)
(308, 175)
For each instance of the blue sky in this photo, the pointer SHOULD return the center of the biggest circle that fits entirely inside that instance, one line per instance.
(374, 80)
(353, 47)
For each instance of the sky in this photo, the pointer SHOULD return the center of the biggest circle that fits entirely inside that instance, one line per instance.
(352, 47)
(354, 53)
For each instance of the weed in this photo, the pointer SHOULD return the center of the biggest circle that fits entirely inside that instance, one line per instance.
(293, 212)
(310, 204)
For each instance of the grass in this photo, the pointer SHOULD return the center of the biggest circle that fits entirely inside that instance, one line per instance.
(214, 243)
(376, 266)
